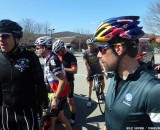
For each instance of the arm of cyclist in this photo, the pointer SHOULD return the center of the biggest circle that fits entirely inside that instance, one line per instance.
(60, 90)
(86, 66)
(86, 62)
(72, 70)
(157, 67)
(153, 105)
(74, 66)
(39, 82)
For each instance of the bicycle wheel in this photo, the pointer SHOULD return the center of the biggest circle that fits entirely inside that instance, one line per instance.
(101, 99)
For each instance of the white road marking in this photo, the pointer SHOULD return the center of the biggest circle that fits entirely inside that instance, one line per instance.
(81, 75)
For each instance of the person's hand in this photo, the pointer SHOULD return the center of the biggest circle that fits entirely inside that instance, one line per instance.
(104, 128)
(45, 121)
(157, 67)
(54, 103)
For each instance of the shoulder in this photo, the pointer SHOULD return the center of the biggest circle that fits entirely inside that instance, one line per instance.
(54, 60)
(152, 97)
(86, 52)
(23, 50)
(28, 53)
(72, 56)
(155, 86)
(149, 84)
(69, 54)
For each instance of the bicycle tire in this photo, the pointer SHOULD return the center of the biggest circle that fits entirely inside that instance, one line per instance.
(101, 97)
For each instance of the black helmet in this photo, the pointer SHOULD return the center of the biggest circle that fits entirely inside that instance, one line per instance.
(8, 26)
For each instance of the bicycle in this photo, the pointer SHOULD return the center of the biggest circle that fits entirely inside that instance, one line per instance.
(99, 92)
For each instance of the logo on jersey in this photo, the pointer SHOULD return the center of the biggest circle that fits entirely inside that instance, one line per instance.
(52, 62)
(128, 99)
(22, 64)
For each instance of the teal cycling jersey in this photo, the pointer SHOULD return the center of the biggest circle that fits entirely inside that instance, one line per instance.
(135, 105)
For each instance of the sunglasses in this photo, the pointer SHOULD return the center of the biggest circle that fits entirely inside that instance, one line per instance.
(58, 51)
(5, 35)
(104, 47)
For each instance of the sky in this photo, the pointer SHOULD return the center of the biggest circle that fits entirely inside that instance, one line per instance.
(72, 15)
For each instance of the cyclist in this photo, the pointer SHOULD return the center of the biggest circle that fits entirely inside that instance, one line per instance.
(21, 81)
(93, 66)
(70, 66)
(55, 75)
(131, 99)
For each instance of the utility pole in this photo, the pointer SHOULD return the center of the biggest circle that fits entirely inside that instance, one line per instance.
(51, 31)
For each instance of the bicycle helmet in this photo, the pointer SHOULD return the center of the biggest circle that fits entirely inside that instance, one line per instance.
(8, 26)
(119, 29)
(57, 45)
(44, 41)
(90, 42)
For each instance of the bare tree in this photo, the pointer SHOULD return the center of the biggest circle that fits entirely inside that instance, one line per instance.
(31, 30)
(152, 18)
(46, 28)
(38, 28)
(28, 31)
(28, 25)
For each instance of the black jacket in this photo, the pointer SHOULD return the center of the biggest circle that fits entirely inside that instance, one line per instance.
(21, 80)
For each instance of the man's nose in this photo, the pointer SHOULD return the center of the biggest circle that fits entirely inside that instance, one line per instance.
(99, 55)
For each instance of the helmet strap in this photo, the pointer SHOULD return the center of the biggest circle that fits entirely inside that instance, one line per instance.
(14, 48)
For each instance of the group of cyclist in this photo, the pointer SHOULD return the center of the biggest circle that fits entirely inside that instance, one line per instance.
(131, 99)
(20, 106)
(64, 63)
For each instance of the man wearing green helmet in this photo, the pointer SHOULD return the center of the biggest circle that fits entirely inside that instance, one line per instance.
(131, 99)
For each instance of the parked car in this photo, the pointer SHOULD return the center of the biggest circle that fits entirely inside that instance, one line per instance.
(145, 52)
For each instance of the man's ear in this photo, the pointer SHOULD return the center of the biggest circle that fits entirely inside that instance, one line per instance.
(63, 48)
(17, 40)
(119, 48)
(44, 48)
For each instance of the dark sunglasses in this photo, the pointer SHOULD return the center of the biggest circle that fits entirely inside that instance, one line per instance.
(5, 35)
(104, 47)
(56, 52)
